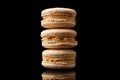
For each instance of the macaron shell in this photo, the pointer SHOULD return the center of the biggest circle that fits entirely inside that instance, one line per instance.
(59, 52)
(58, 11)
(56, 24)
(57, 66)
(58, 32)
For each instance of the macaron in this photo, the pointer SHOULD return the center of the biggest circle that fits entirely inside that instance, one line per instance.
(58, 38)
(58, 75)
(58, 17)
(59, 59)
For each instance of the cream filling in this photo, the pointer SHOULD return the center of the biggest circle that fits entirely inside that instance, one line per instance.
(69, 14)
(58, 39)
(58, 18)
(59, 60)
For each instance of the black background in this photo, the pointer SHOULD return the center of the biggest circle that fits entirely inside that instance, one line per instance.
(22, 42)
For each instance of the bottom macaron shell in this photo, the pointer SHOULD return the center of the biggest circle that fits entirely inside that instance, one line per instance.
(60, 45)
(56, 66)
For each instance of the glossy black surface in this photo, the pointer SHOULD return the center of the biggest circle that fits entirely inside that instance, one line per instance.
(59, 74)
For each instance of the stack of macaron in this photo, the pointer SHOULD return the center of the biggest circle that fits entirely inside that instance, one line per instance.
(58, 38)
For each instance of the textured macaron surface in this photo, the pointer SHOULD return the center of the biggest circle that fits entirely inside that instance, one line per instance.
(59, 53)
(58, 11)
(58, 32)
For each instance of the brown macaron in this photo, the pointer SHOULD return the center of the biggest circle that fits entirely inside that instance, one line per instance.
(59, 59)
(58, 38)
(58, 17)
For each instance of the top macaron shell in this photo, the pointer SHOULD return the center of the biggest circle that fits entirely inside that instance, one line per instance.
(58, 32)
(58, 11)
(59, 53)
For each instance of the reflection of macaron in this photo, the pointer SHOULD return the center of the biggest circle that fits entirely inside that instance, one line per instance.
(58, 75)
(58, 38)
(58, 59)
(58, 18)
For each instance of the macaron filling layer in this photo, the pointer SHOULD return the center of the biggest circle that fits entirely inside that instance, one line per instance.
(59, 39)
(58, 19)
(59, 60)
(58, 13)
